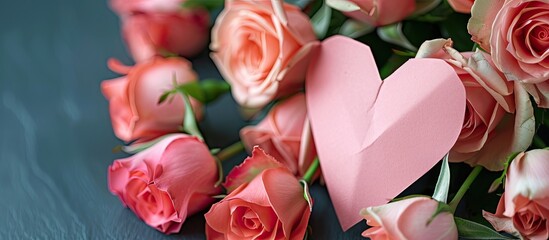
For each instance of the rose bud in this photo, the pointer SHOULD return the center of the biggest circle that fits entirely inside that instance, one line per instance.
(523, 209)
(499, 118)
(409, 219)
(267, 203)
(167, 182)
(516, 33)
(156, 27)
(133, 99)
(284, 134)
(262, 49)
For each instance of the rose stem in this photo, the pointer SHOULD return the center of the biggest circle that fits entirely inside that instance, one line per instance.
(230, 151)
(538, 142)
(311, 171)
(464, 187)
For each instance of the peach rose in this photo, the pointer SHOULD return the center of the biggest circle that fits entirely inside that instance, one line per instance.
(499, 118)
(461, 6)
(376, 12)
(133, 99)
(268, 204)
(409, 219)
(285, 134)
(516, 32)
(262, 48)
(524, 207)
(167, 182)
(156, 27)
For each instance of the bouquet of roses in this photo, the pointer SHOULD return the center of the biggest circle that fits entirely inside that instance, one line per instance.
(375, 92)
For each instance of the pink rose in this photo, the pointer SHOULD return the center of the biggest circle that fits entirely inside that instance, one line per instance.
(461, 6)
(285, 134)
(133, 99)
(269, 204)
(379, 13)
(151, 34)
(516, 32)
(127, 7)
(156, 27)
(524, 207)
(167, 182)
(262, 49)
(499, 117)
(409, 219)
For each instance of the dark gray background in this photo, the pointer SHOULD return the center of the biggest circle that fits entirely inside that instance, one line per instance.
(56, 138)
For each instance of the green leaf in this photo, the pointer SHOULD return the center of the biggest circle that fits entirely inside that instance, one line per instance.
(206, 4)
(213, 89)
(496, 183)
(408, 197)
(393, 34)
(138, 147)
(472, 230)
(441, 208)
(353, 29)
(214, 151)
(205, 91)
(165, 96)
(443, 182)
(344, 6)
(189, 121)
(306, 194)
(321, 21)
(300, 3)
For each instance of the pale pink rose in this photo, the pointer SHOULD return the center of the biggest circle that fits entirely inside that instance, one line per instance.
(524, 207)
(150, 34)
(461, 6)
(379, 13)
(516, 32)
(133, 99)
(284, 134)
(167, 182)
(268, 204)
(262, 48)
(409, 219)
(499, 118)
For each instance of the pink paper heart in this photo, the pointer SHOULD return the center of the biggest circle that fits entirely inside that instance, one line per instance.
(375, 138)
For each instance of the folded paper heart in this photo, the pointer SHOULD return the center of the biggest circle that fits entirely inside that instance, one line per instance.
(375, 138)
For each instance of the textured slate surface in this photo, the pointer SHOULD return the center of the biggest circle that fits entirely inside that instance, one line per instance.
(55, 132)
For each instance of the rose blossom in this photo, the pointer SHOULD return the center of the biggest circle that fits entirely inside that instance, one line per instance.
(516, 32)
(155, 27)
(133, 99)
(499, 117)
(461, 6)
(409, 219)
(167, 182)
(284, 133)
(268, 204)
(262, 48)
(524, 207)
